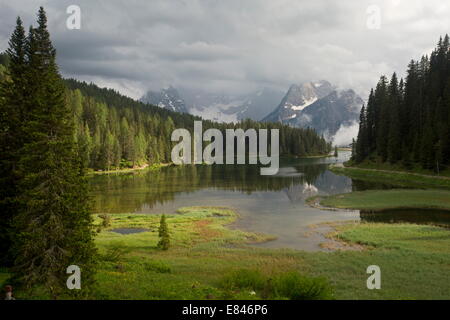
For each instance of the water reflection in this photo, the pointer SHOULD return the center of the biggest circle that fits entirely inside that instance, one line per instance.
(144, 191)
(267, 204)
(418, 216)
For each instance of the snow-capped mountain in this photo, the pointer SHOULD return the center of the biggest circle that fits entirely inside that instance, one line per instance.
(298, 98)
(227, 108)
(166, 98)
(216, 107)
(318, 105)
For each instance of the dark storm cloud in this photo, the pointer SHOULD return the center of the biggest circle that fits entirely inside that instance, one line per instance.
(234, 45)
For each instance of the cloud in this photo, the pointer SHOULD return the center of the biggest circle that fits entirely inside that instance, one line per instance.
(345, 134)
(234, 46)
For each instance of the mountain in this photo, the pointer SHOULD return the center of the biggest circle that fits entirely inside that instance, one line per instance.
(228, 108)
(169, 99)
(318, 105)
(216, 107)
(297, 98)
(329, 114)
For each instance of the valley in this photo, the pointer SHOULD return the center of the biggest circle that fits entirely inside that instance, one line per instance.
(318, 105)
(112, 191)
(268, 229)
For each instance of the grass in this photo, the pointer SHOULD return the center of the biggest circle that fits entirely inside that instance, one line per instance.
(289, 285)
(398, 178)
(153, 167)
(376, 164)
(414, 261)
(389, 199)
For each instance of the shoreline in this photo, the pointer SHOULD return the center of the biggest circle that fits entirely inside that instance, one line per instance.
(381, 200)
(395, 178)
(204, 250)
(130, 170)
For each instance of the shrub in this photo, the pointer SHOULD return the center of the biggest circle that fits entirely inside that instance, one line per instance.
(243, 279)
(106, 220)
(289, 285)
(157, 266)
(114, 253)
(295, 286)
(163, 232)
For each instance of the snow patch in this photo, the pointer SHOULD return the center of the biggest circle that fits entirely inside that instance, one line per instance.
(214, 113)
(306, 103)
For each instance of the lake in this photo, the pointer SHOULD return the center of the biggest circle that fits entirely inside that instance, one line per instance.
(268, 204)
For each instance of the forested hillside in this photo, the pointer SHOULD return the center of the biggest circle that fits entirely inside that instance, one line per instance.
(45, 218)
(115, 131)
(407, 122)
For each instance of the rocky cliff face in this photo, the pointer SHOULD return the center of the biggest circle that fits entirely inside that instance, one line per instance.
(318, 105)
(166, 98)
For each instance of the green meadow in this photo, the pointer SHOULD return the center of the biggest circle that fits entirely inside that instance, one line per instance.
(209, 260)
(389, 199)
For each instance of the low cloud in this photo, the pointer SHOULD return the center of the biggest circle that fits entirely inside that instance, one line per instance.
(345, 134)
(234, 46)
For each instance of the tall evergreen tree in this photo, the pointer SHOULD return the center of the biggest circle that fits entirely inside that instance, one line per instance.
(362, 147)
(370, 124)
(382, 117)
(393, 112)
(12, 113)
(54, 224)
(409, 122)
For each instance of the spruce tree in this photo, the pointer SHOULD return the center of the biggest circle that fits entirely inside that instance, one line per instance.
(54, 224)
(361, 147)
(163, 233)
(393, 112)
(382, 117)
(12, 115)
(370, 124)
(409, 122)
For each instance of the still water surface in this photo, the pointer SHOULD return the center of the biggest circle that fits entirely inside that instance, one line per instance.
(267, 204)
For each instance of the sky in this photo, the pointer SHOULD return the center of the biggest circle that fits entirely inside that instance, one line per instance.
(235, 46)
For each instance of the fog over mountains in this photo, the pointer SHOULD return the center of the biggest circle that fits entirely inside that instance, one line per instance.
(216, 107)
(167, 99)
(332, 112)
(321, 106)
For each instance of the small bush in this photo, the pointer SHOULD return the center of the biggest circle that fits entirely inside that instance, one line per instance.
(163, 232)
(106, 220)
(289, 285)
(157, 266)
(295, 286)
(114, 253)
(243, 279)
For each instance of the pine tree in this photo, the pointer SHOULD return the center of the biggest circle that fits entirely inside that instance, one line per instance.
(409, 122)
(393, 111)
(370, 124)
(12, 115)
(163, 233)
(353, 146)
(382, 118)
(54, 224)
(361, 147)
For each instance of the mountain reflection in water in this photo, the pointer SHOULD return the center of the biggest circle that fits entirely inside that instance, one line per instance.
(269, 204)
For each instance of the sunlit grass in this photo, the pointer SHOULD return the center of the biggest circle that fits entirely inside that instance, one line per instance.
(400, 178)
(414, 260)
(389, 199)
